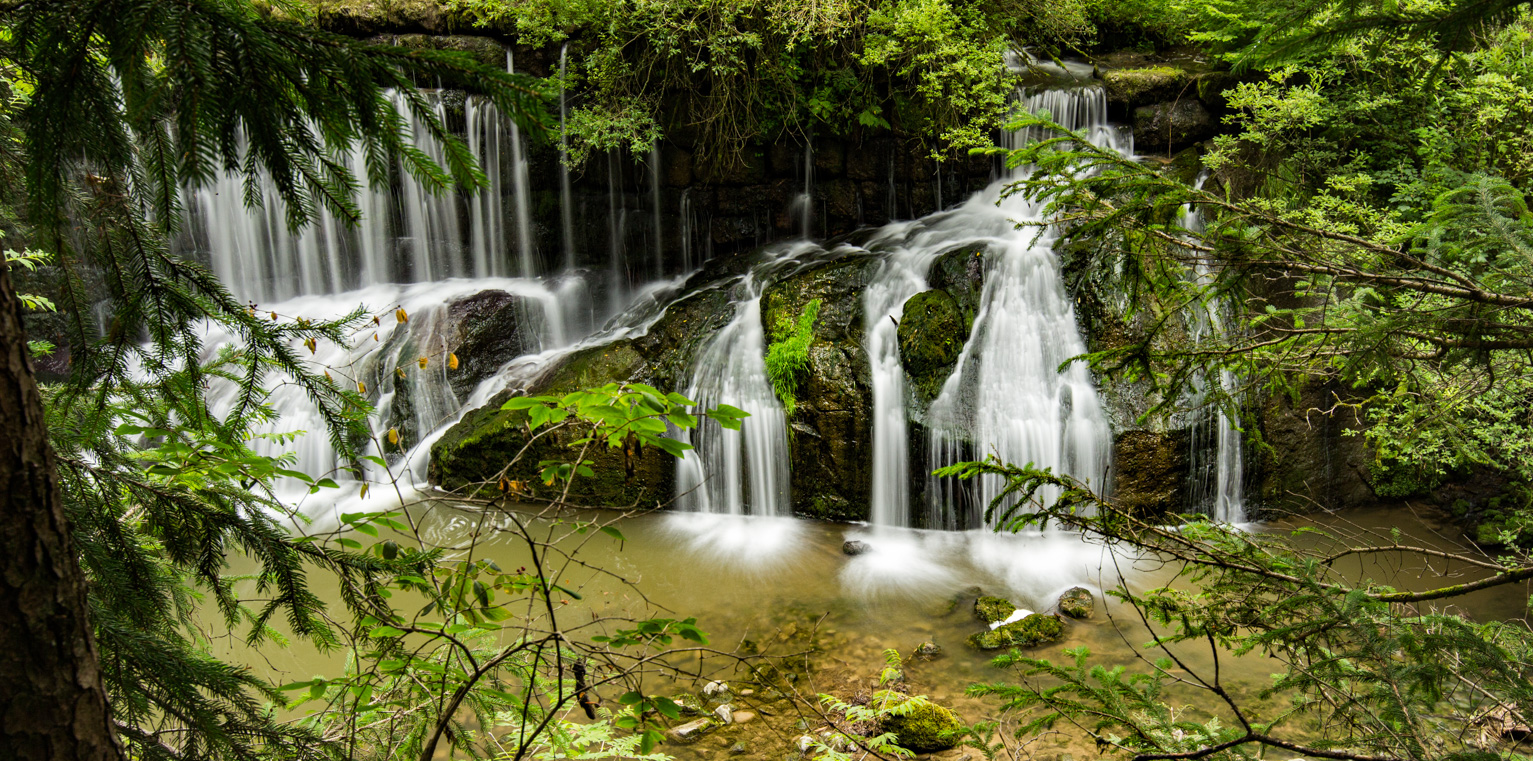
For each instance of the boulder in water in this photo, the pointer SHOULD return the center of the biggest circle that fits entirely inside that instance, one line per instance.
(1036, 629)
(924, 729)
(1077, 602)
(854, 547)
(992, 609)
(927, 651)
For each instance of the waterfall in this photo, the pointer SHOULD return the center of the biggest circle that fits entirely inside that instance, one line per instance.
(685, 212)
(522, 189)
(654, 197)
(802, 208)
(566, 207)
(1006, 394)
(488, 225)
(1215, 460)
(742, 472)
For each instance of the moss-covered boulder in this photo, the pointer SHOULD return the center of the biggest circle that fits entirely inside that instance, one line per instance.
(1032, 631)
(924, 728)
(992, 609)
(961, 274)
(931, 337)
(1077, 602)
(1132, 87)
(831, 431)
(361, 18)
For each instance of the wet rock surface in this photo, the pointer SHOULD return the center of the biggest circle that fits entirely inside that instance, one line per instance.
(1032, 631)
(1077, 602)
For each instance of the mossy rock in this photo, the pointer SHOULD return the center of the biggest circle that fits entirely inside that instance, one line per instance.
(1077, 602)
(831, 431)
(992, 609)
(1172, 124)
(359, 18)
(931, 337)
(1036, 629)
(1141, 86)
(961, 273)
(926, 728)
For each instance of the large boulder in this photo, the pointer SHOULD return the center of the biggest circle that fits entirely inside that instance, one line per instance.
(485, 330)
(831, 431)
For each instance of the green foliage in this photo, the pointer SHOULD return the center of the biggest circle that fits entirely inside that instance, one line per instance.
(740, 72)
(1384, 673)
(31, 260)
(787, 357)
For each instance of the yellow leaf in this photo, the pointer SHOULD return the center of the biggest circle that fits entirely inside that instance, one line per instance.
(312, 344)
(273, 316)
(452, 361)
(375, 336)
(393, 436)
(364, 491)
(361, 389)
(400, 315)
(401, 372)
(375, 320)
(421, 362)
(328, 378)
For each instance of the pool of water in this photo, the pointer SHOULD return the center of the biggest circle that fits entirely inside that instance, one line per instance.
(778, 586)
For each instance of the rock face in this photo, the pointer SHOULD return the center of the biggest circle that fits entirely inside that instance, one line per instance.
(931, 336)
(1151, 470)
(1034, 630)
(925, 729)
(831, 432)
(1077, 602)
(1173, 125)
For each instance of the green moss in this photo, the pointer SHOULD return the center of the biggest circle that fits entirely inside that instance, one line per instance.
(992, 609)
(788, 356)
(926, 727)
(1149, 84)
(931, 337)
(1036, 629)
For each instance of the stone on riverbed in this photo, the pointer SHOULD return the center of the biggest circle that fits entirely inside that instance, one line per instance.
(1077, 602)
(854, 547)
(992, 609)
(927, 651)
(691, 731)
(1036, 629)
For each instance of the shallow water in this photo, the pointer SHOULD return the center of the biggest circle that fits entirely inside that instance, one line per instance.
(782, 584)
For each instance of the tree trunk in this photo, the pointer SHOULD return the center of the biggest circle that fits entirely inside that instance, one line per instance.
(52, 703)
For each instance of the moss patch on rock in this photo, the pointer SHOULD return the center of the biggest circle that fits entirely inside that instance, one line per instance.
(924, 728)
(1149, 84)
(1034, 630)
(992, 609)
(931, 336)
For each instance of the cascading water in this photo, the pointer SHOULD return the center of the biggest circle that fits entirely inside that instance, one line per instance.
(742, 472)
(566, 206)
(654, 199)
(1007, 395)
(522, 187)
(1216, 460)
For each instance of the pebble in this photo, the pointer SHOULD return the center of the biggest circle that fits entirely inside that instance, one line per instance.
(725, 713)
(745, 693)
(691, 730)
(741, 717)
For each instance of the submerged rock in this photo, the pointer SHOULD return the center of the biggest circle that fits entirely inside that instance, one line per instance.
(1077, 602)
(925, 729)
(1036, 629)
(992, 609)
(854, 547)
(927, 651)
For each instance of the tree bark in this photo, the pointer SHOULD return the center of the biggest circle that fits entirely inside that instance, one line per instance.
(52, 703)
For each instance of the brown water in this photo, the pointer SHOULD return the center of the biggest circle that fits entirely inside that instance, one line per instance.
(784, 584)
